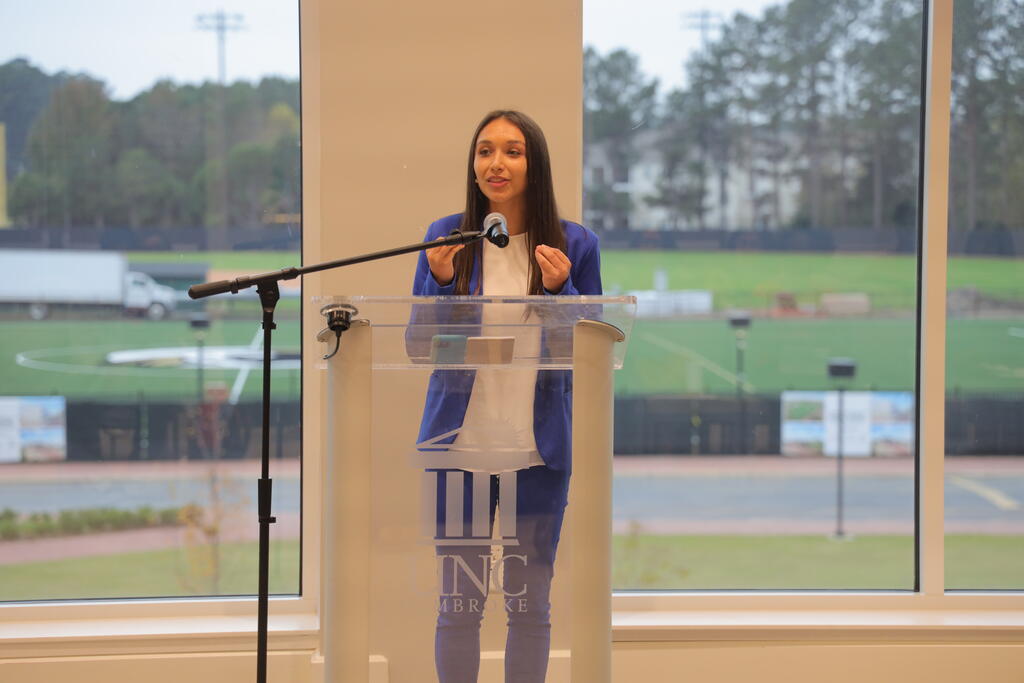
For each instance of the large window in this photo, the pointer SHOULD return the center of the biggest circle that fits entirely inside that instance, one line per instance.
(760, 198)
(754, 173)
(985, 329)
(762, 203)
(144, 152)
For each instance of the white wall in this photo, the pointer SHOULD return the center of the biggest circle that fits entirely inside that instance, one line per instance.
(391, 94)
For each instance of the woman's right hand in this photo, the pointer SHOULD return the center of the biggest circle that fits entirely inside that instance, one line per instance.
(441, 260)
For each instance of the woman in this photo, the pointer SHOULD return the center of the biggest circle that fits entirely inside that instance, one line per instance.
(509, 171)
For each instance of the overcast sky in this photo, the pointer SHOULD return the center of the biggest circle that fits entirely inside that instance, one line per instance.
(131, 49)
(661, 32)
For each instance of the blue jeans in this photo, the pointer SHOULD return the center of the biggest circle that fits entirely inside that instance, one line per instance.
(528, 568)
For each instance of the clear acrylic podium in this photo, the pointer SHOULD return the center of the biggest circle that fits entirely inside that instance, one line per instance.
(430, 420)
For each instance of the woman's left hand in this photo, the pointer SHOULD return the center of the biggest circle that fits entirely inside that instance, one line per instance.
(554, 267)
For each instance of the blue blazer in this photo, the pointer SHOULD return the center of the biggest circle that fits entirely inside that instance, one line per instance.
(449, 390)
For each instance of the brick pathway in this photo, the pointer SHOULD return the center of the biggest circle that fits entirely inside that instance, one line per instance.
(136, 540)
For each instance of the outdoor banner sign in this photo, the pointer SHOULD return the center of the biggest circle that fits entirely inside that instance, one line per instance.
(879, 423)
(856, 423)
(33, 428)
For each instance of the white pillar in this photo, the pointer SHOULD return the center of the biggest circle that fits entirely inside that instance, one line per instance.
(590, 501)
(932, 411)
(345, 582)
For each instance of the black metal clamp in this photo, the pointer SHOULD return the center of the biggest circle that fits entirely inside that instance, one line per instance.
(339, 319)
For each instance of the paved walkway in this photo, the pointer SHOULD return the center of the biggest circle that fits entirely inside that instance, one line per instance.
(781, 466)
(645, 465)
(151, 470)
(689, 471)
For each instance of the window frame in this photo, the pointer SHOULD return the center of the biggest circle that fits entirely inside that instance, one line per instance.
(929, 613)
(221, 623)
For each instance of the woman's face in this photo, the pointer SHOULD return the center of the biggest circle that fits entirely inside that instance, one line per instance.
(499, 162)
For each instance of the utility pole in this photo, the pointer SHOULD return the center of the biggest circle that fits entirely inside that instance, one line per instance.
(703, 21)
(217, 184)
(4, 220)
(220, 23)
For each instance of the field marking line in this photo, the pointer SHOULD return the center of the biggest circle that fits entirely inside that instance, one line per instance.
(1016, 332)
(30, 359)
(243, 375)
(990, 494)
(709, 365)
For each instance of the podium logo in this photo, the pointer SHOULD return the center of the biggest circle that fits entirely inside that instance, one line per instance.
(458, 487)
(458, 495)
(457, 508)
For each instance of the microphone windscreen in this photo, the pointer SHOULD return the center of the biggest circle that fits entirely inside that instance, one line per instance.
(496, 229)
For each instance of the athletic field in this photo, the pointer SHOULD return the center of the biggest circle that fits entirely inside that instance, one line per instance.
(738, 279)
(679, 357)
(691, 356)
(752, 279)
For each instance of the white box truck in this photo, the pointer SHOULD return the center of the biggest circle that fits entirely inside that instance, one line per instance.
(38, 280)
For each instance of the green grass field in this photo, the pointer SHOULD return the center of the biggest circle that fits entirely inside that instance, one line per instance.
(752, 279)
(639, 563)
(738, 279)
(249, 261)
(700, 356)
(679, 357)
(72, 355)
(809, 562)
(165, 573)
(664, 357)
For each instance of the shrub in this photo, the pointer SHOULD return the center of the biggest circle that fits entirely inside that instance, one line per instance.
(91, 520)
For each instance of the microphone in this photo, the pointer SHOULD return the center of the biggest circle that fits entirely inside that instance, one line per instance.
(496, 229)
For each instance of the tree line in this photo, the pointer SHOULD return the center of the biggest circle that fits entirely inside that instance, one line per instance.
(172, 156)
(824, 97)
(813, 103)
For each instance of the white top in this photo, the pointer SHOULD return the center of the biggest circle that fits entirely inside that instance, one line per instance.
(498, 426)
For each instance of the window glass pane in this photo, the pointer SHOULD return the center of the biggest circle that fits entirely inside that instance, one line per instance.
(142, 152)
(753, 174)
(985, 324)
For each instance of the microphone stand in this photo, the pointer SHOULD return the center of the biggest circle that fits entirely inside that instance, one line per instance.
(270, 293)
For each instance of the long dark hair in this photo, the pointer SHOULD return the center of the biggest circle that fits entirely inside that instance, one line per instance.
(542, 222)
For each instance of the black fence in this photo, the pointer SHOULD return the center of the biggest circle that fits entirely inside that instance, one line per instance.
(277, 237)
(704, 425)
(981, 242)
(655, 425)
(982, 425)
(644, 425)
(175, 431)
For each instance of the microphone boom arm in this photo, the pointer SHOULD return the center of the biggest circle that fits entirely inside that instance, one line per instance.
(245, 281)
(269, 292)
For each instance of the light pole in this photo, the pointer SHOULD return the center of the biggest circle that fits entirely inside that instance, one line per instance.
(739, 321)
(841, 371)
(199, 324)
(220, 23)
